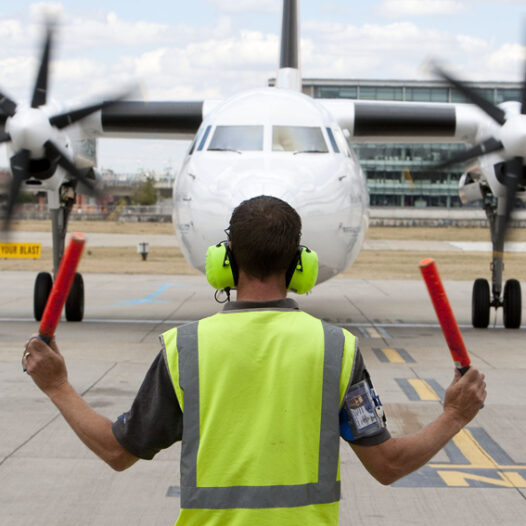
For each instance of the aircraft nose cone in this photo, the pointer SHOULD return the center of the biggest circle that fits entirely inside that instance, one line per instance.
(273, 186)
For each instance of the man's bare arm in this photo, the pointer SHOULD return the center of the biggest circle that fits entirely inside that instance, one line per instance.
(397, 457)
(47, 368)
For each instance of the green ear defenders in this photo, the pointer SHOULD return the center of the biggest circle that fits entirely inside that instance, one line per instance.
(220, 266)
(303, 272)
(222, 272)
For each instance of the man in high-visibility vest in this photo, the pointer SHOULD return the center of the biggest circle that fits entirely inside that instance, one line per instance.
(259, 394)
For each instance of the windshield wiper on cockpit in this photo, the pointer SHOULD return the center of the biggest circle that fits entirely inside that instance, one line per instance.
(310, 151)
(224, 150)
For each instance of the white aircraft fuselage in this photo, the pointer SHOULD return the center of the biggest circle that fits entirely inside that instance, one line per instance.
(276, 142)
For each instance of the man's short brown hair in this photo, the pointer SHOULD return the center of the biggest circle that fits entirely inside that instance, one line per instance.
(265, 235)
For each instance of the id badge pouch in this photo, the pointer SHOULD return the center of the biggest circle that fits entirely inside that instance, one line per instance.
(364, 414)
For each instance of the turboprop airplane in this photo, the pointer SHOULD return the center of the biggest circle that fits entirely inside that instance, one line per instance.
(275, 141)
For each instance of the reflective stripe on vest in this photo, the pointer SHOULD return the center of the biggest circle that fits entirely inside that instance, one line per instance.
(326, 490)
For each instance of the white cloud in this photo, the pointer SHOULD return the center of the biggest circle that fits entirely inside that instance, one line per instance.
(397, 51)
(257, 6)
(509, 57)
(41, 10)
(10, 30)
(110, 30)
(215, 67)
(404, 8)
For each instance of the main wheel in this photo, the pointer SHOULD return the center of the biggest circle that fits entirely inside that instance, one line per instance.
(480, 304)
(75, 301)
(512, 304)
(43, 284)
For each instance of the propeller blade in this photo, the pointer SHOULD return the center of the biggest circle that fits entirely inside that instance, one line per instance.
(65, 119)
(488, 146)
(7, 105)
(19, 169)
(4, 137)
(485, 105)
(514, 168)
(55, 155)
(40, 91)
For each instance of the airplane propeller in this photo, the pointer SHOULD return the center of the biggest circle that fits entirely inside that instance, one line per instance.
(511, 142)
(34, 135)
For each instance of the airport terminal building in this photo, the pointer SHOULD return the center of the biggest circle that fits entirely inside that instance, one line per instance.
(401, 174)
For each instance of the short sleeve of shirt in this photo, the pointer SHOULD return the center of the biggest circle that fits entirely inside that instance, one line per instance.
(358, 374)
(155, 420)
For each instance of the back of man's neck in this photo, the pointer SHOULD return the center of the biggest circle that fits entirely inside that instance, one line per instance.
(252, 289)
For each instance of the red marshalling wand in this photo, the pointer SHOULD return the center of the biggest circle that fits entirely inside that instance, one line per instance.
(61, 287)
(445, 315)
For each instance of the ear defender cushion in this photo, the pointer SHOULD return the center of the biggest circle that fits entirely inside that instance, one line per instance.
(220, 267)
(305, 271)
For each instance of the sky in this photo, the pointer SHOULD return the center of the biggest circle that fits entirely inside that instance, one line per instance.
(214, 48)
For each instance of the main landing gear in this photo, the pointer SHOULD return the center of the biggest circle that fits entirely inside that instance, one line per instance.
(44, 280)
(511, 298)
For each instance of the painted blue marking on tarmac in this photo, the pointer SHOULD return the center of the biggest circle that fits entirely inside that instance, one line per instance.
(151, 298)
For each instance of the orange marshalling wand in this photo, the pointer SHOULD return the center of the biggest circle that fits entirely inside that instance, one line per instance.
(61, 287)
(445, 314)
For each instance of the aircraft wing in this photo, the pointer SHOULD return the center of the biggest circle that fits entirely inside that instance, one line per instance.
(408, 122)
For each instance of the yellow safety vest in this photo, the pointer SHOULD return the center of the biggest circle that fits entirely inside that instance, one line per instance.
(260, 392)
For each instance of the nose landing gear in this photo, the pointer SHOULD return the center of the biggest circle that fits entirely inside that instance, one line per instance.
(511, 299)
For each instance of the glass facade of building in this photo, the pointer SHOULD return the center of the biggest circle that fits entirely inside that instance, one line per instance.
(404, 174)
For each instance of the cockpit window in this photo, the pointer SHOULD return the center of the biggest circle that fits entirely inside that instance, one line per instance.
(300, 139)
(342, 143)
(237, 138)
(203, 140)
(333, 140)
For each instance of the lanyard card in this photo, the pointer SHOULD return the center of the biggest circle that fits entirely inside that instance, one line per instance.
(360, 407)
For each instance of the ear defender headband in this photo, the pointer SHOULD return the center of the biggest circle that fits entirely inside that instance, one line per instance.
(222, 272)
